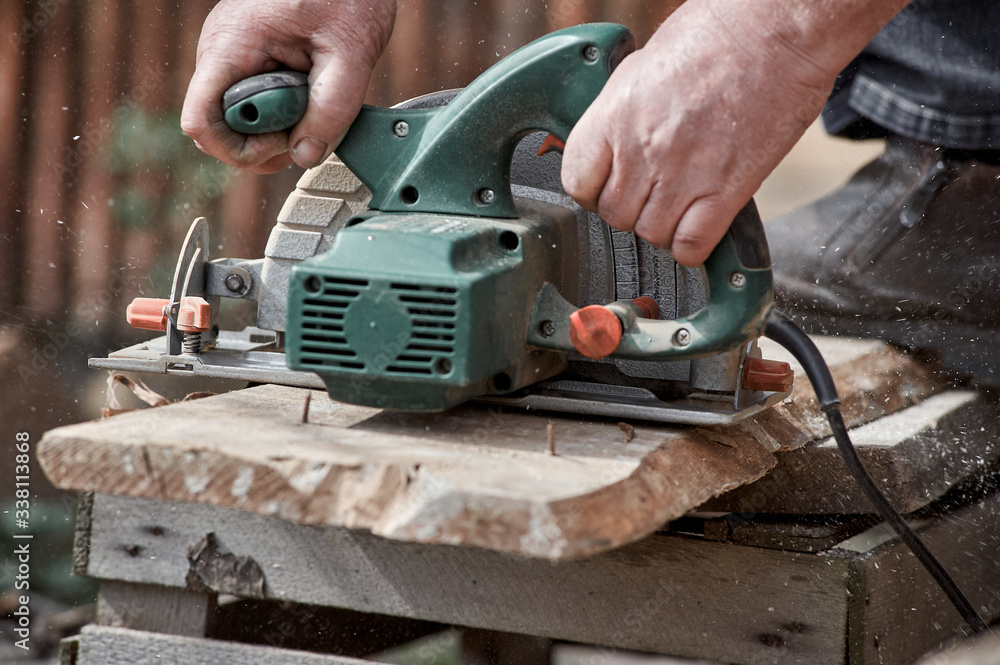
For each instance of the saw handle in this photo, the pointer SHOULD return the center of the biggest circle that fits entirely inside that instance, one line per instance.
(455, 159)
(740, 296)
(270, 102)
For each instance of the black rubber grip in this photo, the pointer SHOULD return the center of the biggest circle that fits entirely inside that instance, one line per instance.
(748, 236)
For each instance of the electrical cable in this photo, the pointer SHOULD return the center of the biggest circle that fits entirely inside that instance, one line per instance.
(785, 332)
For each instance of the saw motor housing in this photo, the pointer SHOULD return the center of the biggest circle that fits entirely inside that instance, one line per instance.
(423, 311)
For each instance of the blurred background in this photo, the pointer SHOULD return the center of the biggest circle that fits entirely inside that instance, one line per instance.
(98, 185)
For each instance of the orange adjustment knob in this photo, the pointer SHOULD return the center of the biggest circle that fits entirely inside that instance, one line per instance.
(650, 310)
(772, 375)
(595, 331)
(148, 313)
(194, 315)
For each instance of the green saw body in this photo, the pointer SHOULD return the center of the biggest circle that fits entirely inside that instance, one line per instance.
(449, 289)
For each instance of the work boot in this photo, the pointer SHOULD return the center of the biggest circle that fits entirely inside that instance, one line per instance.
(908, 251)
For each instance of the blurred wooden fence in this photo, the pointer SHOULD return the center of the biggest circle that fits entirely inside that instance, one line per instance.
(97, 183)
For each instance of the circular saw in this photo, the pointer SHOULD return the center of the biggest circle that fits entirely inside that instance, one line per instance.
(436, 260)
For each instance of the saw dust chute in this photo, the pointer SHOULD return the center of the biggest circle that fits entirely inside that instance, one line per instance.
(440, 261)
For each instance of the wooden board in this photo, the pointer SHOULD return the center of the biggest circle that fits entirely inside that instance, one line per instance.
(915, 456)
(863, 601)
(472, 475)
(903, 615)
(154, 607)
(663, 594)
(100, 645)
(978, 650)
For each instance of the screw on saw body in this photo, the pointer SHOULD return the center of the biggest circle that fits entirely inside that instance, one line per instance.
(486, 196)
(400, 128)
(238, 281)
(591, 53)
(682, 337)
(737, 280)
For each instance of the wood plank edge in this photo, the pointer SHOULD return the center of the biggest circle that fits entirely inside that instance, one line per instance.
(101, 645)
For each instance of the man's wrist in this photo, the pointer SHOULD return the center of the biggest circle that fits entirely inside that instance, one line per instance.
(825, 36)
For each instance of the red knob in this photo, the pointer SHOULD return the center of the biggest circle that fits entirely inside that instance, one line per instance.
(194, 315)
(148, 313)
(772, 375)
(650, 310)
(595, 331)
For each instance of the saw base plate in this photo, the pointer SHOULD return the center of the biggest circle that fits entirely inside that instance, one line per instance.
(612, 401)
(249, 355)
(238, 355)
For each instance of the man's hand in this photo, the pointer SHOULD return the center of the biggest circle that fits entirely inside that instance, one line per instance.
(337, 43)
(688, 127)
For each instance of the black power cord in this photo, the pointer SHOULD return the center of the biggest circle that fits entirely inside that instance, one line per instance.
(786, 333)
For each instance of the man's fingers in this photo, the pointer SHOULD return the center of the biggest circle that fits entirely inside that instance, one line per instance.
(586, 163)
(625, 194)
(336, 88)
(202, 119)
(699, 230)
(273, 165)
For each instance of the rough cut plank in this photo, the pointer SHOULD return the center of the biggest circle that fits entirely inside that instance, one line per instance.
(915, 455)
(873, 379)
(154, 607)
(904, 614)
(99, 645)
(665, 594)
(472, 476)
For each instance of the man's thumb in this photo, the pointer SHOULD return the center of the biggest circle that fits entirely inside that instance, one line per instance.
(336, 91)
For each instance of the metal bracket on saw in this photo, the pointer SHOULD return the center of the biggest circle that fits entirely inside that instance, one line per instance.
(246, 355)
(252, 354)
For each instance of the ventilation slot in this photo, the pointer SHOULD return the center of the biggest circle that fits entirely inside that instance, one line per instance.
(323, 342)
(433, 314)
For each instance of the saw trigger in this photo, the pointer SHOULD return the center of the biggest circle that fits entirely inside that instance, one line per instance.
(550, 144)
